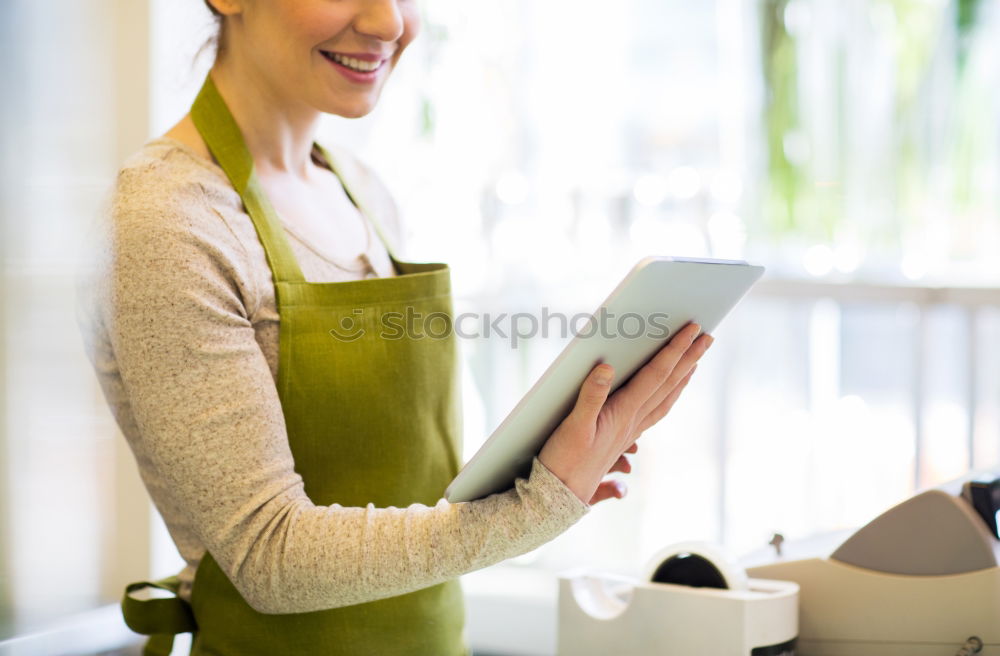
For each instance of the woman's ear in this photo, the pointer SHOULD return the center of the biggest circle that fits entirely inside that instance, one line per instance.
(225, 7)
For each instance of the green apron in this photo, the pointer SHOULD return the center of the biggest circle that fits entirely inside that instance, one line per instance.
(372, 416)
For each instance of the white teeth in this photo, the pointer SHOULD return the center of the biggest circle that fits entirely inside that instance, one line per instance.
(355, 64)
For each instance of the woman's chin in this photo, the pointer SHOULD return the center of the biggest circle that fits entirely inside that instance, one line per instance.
(352, 114)
(357, 109)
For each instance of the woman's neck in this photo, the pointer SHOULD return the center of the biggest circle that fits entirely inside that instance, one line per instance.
(278, 133)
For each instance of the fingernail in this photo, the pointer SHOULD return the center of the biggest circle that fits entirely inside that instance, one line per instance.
(622, 489)
(603, 376)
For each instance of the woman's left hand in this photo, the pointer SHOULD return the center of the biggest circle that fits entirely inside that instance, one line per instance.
(615, 488)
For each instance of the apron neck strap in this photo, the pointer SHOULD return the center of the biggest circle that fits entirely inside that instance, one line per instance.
(222, 135)
(357, 200)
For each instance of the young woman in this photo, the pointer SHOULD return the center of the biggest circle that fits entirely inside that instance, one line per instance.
(301, 475)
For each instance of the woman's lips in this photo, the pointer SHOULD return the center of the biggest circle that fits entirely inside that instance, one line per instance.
(357, 67)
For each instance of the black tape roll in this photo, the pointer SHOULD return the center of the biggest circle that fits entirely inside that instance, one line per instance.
(690, 569)
(697, 565)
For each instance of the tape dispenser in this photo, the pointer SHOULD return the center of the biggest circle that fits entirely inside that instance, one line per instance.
(691, 601)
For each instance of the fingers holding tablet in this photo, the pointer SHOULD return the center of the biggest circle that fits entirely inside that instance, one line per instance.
(687, 362)
(647, 380)
(660, 411)
(696, 294)
(592, 440)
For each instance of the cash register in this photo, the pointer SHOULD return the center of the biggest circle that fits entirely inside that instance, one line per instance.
(921, 579)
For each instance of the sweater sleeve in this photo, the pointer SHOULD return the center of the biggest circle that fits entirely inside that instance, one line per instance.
(210, 422)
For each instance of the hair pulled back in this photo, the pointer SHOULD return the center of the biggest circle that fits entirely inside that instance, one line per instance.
(215, 42)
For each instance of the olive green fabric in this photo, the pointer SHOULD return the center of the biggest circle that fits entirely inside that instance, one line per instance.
(367, 377)
(160, 618)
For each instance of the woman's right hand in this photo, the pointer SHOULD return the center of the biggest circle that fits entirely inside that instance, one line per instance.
(593, 439)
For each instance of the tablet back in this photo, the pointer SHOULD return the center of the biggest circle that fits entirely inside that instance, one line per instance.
(658, 297)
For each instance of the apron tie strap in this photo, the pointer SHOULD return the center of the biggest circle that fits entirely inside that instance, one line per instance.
(161, 619)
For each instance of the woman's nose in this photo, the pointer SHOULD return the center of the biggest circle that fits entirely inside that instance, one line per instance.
(381, 19)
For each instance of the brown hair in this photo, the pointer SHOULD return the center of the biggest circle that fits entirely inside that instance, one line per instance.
(215, 41)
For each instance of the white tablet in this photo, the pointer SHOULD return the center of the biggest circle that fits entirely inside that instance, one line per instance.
(657, 298)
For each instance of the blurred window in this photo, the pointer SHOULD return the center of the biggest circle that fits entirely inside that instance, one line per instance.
(541, 148)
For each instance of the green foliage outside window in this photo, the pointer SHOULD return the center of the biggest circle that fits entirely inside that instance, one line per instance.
(933, 163)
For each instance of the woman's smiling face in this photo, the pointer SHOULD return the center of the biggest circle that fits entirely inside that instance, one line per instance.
(332, 55)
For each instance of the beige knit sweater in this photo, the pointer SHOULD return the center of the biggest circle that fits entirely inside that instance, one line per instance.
(182, 329)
